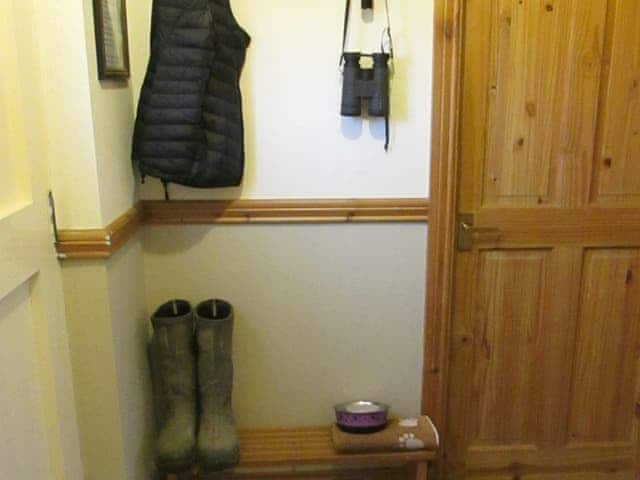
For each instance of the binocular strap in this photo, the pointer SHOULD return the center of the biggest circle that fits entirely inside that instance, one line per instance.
(387, 30)
(386, 133)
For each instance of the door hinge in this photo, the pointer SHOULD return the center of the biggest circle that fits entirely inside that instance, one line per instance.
(54, 222)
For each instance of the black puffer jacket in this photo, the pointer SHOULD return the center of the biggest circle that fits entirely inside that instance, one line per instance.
(189, 127)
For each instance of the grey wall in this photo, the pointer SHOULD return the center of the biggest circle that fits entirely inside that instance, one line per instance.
(324, 313)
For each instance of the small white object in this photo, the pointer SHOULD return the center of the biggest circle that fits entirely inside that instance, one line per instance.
(409, 423)
(410, 442)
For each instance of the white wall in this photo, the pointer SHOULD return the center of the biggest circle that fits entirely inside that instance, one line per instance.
(324, 313)
(297, 144)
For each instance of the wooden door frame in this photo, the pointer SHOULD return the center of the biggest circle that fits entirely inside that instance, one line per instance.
(447, 92)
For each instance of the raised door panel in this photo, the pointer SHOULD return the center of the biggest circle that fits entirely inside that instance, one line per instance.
(519, 310)
(24, 446)
(544, 62)
(605, 381)
(617, 161)
(508, 310)
(543, 370)
(15, 184)
(603, 474)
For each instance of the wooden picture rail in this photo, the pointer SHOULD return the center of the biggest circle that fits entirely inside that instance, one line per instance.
(285, 211)
(103, 243)
(99, 243)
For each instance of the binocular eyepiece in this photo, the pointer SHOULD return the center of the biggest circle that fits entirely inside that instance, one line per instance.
(371, 84)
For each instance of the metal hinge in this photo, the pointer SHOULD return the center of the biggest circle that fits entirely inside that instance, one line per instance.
(54, 224)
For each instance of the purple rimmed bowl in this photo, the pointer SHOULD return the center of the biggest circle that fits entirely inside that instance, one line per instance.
(361, 416)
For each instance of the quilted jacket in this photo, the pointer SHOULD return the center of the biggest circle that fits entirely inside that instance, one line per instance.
(189, 126)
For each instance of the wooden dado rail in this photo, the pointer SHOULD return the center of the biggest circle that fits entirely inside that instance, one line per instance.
(103, 243)
(302, 453)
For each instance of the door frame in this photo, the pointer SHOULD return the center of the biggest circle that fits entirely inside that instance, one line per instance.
(447, 93)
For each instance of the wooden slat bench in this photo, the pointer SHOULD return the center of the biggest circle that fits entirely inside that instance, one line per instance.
(309, 453)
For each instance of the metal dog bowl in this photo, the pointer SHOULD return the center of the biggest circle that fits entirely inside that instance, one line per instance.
(361, 416)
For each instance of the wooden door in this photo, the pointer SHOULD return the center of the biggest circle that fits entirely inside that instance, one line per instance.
(38, 437)
(545, 332)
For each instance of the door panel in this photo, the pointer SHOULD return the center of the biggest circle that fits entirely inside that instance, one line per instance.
(15, 186)
(617, 166)
(561, 476)
(608, 348)
(545, 334)
(508, 311)
(539, 52)
(23, 432)
(16, 206)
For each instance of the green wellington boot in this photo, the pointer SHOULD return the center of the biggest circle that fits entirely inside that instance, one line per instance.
(217, 447)
(173, 368)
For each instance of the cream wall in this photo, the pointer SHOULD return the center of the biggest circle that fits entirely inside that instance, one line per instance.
(297, 144)
(113, 117)
(324, 313)
(89, 122)
(129, 328)
(70, 143)
(105, 299)
(105, 304)
(39, 436)
(94, 370)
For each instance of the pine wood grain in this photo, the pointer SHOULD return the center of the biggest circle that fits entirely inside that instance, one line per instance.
(104, 243)
(617, 169)
(286, 211)
(308, 453)
(99, 243)
(543, 343)
(310, 446)
(447, 84)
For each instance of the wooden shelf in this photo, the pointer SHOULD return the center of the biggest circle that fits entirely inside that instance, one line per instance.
(307, 447)
(311, 446)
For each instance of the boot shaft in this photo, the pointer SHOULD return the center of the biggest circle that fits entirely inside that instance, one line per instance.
(173, 348)
(214, 326)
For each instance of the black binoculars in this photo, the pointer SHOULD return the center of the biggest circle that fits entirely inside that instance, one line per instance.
(371, 84)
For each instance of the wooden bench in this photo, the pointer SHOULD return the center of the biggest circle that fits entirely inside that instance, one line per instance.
(309, 453)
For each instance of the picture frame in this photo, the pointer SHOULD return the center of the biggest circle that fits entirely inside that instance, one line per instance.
(112, 39)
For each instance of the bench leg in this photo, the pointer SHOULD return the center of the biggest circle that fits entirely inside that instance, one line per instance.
(417, 471)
